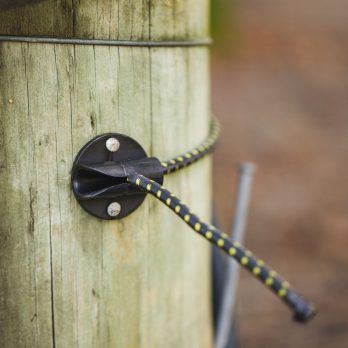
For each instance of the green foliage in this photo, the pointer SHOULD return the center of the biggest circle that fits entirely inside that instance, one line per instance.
(223, 24)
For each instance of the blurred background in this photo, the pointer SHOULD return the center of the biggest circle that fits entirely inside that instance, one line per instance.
(280, 90)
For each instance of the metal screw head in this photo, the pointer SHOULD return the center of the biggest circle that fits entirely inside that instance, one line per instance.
(114, 209)
(112, 144)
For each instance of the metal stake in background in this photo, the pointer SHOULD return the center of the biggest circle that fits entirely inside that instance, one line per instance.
(225, 319)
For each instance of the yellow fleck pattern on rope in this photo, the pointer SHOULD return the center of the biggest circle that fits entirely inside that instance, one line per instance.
(220, 242)
(232, 251)
(195, 154)
(269, 281)
(209, 235)
(245, 257)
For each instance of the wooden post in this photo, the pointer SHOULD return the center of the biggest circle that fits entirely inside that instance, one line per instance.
(66, 278)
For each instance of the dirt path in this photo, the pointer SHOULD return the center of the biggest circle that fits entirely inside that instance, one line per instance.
(283, 103)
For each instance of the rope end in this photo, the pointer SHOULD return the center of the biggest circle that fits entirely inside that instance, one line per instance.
(306, 313)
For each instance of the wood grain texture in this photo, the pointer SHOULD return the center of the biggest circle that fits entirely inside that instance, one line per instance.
(107, 19)
(67, 279)
(6, 4)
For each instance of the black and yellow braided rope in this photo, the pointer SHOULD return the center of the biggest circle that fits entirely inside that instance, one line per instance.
(303, 311)
(195, 154)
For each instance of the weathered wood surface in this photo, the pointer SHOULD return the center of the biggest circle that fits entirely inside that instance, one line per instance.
(7, 4)
(67, 279)
(106, 19)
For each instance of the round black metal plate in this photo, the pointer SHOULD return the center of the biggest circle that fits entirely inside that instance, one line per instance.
(94, 152)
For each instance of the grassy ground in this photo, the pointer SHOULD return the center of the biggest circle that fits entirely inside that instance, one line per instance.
(282, 98)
